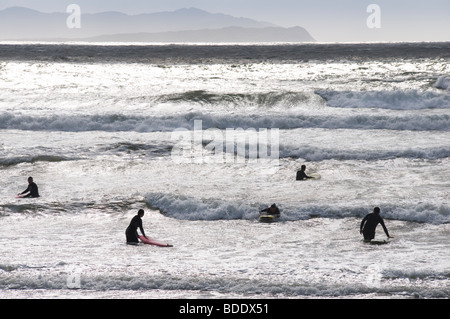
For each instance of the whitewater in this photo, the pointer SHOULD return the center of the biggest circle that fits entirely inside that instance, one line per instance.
(108, 129)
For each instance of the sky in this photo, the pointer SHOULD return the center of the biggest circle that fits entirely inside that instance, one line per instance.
(326, 20)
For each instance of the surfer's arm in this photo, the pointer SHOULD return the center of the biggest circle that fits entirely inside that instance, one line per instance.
(384, 228)
(141, 228)
(302, 175)
(142, 231)
(26, 191)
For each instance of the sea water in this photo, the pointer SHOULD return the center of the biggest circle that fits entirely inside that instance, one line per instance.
(100, 127)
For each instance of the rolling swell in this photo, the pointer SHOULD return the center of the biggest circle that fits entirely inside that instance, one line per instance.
(120, 123)
(212, 54)
(264, 99)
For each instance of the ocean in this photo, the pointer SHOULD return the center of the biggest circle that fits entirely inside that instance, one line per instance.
(203, 137)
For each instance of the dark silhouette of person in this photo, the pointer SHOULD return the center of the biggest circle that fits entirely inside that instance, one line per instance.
(272, 210)
(32, 190)
(131, 231)
(370, 223)
(301, 175)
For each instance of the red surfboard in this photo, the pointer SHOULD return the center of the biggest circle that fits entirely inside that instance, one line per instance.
(150, 241)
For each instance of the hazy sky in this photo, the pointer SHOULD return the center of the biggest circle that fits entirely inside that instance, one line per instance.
(326, 20)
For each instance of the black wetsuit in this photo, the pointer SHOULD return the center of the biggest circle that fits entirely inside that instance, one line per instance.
(370, 223)
(301, 175)
(33, 189)
(131, 232)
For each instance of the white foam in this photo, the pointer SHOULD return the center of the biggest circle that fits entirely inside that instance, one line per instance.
(119, 123)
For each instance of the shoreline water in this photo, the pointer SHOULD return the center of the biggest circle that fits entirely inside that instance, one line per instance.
(236, 254)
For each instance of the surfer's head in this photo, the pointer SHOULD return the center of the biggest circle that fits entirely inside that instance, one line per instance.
(141, 212)
(376, 210)
(30, 179)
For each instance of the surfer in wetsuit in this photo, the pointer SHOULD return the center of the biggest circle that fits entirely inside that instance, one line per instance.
(131, 232)
(370, 223)
(301, 175)
(272, 210)
(32, 190)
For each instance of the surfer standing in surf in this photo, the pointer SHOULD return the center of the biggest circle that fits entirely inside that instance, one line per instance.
(131, 231)
(370, 223)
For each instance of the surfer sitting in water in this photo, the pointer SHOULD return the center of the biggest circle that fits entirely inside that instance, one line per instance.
(131, 232)
(301, 175)
(370, 222)
(32, 190)
(272, 210)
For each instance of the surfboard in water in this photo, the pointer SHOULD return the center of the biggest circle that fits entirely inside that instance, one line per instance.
(150, 241)
(268, 218)
(377, 241)
(312, 176)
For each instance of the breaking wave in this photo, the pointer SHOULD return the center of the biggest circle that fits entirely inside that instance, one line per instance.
(190, 208)
(395, 100)
(443, 82)
(117, 122)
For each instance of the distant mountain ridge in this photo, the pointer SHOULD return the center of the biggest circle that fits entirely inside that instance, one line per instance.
(228, 34)
(183, 25)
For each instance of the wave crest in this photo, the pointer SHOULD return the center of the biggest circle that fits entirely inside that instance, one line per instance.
(394, 100)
